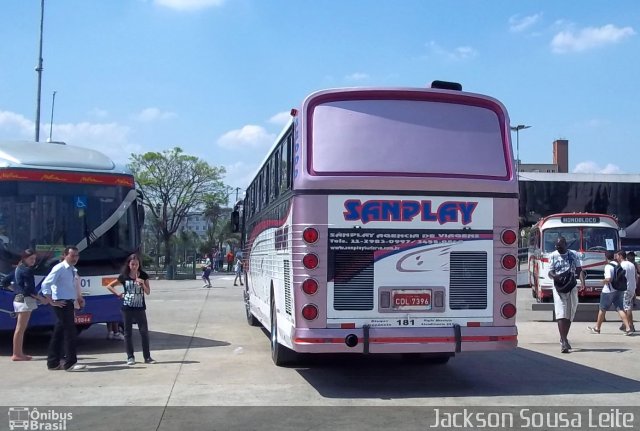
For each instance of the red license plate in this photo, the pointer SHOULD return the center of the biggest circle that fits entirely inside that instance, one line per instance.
(411, 299)
(82, 319)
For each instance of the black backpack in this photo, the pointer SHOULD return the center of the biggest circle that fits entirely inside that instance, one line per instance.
(619, 278)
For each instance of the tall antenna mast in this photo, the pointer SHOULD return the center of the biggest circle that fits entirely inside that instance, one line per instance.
(39, 70)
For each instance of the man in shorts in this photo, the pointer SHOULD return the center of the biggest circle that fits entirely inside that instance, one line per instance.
(610, 296)
(565, 304)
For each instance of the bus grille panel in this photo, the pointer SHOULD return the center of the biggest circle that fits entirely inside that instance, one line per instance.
(287, 287)
(468, 280)
(594, 274)
(353, 280)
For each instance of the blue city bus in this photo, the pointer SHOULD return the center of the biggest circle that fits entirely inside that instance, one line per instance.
(53, 195)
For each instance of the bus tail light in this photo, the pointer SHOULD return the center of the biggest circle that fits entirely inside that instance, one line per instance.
(310, 312)
(310, 235)
(508, 236)
(508, 286)
(509, 261)
(310, 286)
(508, 310)
(310, 261)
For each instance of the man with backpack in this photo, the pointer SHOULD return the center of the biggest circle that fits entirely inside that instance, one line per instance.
(615, 285)
(629, 294)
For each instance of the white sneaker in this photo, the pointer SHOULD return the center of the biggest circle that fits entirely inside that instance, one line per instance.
(110, 335)
(131, 361)
(118, 336)
(77, 367)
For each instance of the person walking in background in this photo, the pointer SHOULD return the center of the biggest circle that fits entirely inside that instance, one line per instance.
(206, 272)
(24, 302)
(60, 289)
(610, 296)
(229, 261)
(564, 261)
(136, 285)
(630, 294)
(239, 270)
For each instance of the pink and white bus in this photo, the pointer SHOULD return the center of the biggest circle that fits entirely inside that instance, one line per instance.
(384, 220)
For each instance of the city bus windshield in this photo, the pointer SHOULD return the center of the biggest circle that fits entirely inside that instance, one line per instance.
(47, 216)
(571, 234)
(594, 238)
(409, 136)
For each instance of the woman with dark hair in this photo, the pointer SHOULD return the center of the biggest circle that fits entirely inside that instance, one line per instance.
(136, 285)
(25, 301)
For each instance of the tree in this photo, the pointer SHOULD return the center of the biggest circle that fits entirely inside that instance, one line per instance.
(174, 184)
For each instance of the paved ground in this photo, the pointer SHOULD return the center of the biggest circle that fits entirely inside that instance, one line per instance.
(208, 356)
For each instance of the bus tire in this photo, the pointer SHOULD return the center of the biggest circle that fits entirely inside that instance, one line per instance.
(279, 354)
(251, 319)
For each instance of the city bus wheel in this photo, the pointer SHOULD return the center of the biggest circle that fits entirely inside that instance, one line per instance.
(279, 354)
(251, 319)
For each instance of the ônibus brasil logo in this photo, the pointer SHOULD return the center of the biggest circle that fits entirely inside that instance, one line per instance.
(25, 418)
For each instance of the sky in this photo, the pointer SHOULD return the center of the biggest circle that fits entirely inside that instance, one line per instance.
(218, 78)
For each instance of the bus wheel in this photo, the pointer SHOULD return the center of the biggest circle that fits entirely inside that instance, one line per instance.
(279, 354)
(251, 319)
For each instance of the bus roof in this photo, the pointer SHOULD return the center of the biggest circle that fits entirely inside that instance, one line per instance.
(59, 156)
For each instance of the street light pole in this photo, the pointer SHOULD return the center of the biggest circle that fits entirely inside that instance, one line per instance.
(517, 130)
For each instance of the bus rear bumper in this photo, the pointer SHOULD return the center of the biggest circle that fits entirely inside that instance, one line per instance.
(405, 340)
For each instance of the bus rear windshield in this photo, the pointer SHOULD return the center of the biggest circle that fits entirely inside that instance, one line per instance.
(406, 137)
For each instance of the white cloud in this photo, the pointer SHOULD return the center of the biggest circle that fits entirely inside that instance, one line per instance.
(281, 118)
(518, 24)
(455, 54)
(111, 139)
(357, 76)
(240, 174)
(590, 167)
(16, 125)
(189, 5)
(249, 136)
(153, 114)
(589, 38)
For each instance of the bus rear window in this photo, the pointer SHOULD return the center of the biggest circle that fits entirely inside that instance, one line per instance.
(400, 137)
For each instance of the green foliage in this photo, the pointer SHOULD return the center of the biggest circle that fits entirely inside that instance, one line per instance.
(173, 185)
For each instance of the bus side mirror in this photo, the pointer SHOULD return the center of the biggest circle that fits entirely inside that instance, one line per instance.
(235, 221)
(622, 233)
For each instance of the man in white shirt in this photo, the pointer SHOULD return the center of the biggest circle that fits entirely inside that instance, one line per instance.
(610, 296)
(630, 294)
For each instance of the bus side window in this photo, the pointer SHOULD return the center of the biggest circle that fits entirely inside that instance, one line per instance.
(285, 165)
(267, 183)
(275, 173)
